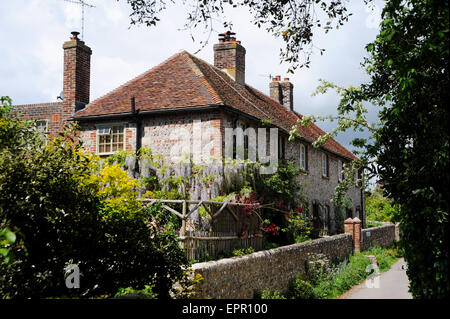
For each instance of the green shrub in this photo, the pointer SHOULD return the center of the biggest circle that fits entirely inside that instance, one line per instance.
(243, 251)
(63, 211)
(300, 289)
(386, 257)
(317, 267)
(380, 208)
(145, 293)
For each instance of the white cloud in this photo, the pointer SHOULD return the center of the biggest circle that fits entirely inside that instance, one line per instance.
(114, 72)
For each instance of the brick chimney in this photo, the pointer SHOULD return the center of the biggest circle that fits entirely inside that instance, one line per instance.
(229, 56)
(77, 70)
(282, 92)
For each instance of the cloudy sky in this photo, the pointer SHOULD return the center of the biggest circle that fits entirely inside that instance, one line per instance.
(32, 33)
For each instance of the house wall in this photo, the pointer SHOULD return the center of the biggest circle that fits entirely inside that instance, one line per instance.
(165, 134)
(316, 186)
(45, 111)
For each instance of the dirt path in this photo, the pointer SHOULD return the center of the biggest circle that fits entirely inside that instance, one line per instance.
(393, 284)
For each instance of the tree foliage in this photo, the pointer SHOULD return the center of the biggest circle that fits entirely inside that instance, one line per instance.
(409, 147)
(380, 208)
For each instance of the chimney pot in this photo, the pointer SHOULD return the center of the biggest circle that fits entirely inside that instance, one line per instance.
(75, 34)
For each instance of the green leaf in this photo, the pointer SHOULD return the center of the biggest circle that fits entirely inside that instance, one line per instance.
(4, 252)
(10, 236)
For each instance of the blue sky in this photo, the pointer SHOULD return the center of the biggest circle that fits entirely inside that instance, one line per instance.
(32, 33)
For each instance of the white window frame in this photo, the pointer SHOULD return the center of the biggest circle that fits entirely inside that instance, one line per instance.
(325, 159)
(340, 171)
(110, 126)
(303, 158)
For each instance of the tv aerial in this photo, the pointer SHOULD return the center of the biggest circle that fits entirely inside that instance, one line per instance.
(83, 4)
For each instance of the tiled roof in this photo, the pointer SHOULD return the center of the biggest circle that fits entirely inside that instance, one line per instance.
(184, 81)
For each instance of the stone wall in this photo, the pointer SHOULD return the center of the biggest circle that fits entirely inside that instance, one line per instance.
(239, 277)
(378, 236)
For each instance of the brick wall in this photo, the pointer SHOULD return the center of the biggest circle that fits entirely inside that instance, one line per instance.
(76, 83)
(239, 277)
(166, 134)
(229, 56)
(45, 111)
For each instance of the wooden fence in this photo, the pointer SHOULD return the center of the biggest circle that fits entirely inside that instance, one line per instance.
(227, 228)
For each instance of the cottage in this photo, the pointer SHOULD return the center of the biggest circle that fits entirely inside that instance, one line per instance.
(164, 107)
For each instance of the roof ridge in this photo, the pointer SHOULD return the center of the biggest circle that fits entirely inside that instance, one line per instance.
(38, 104)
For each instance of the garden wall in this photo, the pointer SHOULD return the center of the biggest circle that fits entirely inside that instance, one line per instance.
(239, 277)
(378, 236)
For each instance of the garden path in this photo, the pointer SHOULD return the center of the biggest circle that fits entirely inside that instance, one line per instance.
(393, 284)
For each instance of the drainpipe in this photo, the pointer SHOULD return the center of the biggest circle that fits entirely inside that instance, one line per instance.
(138, 133)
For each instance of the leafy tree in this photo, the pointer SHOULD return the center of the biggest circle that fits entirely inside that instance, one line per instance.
(380, 208)
(292, 20)
(409, 148)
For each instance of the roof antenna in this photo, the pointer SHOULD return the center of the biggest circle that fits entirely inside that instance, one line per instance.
(82, 4)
